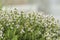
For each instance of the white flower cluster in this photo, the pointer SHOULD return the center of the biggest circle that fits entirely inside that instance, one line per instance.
(36, 24)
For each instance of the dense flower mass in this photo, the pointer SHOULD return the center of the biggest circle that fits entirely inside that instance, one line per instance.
(16, 25)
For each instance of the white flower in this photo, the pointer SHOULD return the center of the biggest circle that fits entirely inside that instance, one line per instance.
(39, 32)
(45, 24)
(22, 31)
(12, 23)
(11, 27)
(7, 24)
(47, 34)
(1, 33)
(53, 34)
(2, 28)
(29, 29)
(48, 38)
(17, 25)
(0, 25)
(10, 20)
(32, 30)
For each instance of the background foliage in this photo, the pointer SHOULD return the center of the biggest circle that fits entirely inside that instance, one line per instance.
(0, 4)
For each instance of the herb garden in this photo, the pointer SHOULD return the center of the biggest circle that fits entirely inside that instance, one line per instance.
(16, 25)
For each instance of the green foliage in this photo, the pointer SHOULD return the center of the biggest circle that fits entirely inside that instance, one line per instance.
(29, 26)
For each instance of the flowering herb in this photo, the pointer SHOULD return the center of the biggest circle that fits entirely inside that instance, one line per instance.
(29, 26)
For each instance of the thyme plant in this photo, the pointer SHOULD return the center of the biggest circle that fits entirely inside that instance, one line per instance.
(16, 25)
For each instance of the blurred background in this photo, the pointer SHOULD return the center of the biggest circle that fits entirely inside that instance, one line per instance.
(48, 7)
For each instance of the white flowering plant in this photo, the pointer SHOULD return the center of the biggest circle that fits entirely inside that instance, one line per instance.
(16, 25)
